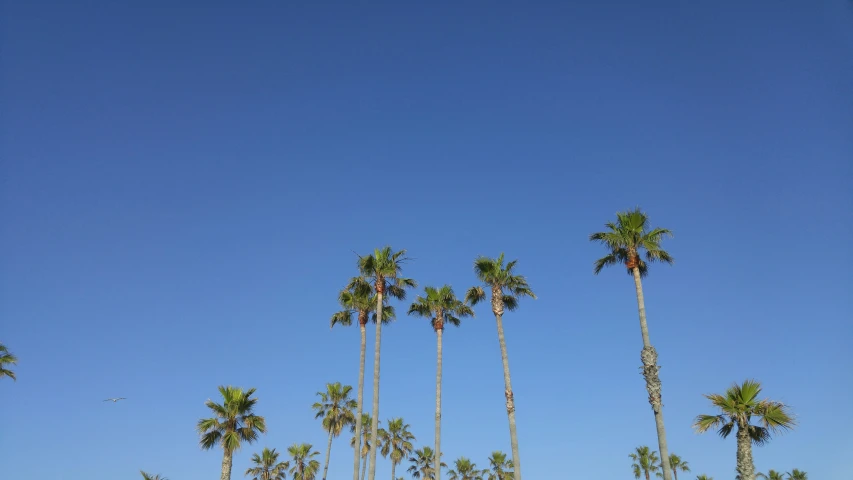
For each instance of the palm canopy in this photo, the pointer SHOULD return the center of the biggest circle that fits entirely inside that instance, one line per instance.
(423, 463)
(382, 270)
(771, 475)
(267, 466)
(441, 306)
(234, 421)
(626, 238)
(704, 477)
(797, 475)
(464, 469)
(397, 440)
(500, 468)
(335, 408)
(358, 299)
(678, 463)
(7, 359)
(148, 476)
(304, 466)
(506, 287)
(739, 406)
(645, 461)
(366, 419)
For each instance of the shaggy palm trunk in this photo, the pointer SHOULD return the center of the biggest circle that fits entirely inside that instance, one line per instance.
(437, 461)
(226, 465)
(649, 357)
(360, 400)
(374, 427)
(745, 467)
(328, 454)
(498, 310)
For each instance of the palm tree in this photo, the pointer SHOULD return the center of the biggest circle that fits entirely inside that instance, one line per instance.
(624, 241)
(423, 464)
(267, 466)
(148, 476)
(7, 358)
(382, 270)
(738, 406)
(233, 423)
(505, 287)
(464, 469)
(397, 442)
(771, 475)
(441, 306)
(677, 463)
(797, 475)
(704, 477)
(304, 466)
(364, 442)
(645, 461)
(336, 409)
(358, 299)
(499, 467)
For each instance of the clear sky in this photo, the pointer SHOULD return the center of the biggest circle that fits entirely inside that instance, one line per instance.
(184, 184)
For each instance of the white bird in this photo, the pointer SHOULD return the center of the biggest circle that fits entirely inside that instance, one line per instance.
(114, 400)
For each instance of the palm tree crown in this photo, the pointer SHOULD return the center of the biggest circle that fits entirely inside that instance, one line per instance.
(506, 287)
(335, 408)
(771, 475)
(423, 464)
(358, 299)
(500, 468)
(626, 238)
(704, 477)
(267, 466)
(738, 406)
(234, 421)
(677, 463)
(7, 359)
(382, 270)
(441, 306)
(304, 466)
(645, 461)
(464, 469)
(148, 476)
(397, 441)
(797, 475)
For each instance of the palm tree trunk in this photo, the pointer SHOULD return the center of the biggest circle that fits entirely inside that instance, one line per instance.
(674, 471)
(364, 468)
(510, 402)
(745, 467)
(328, 454)
(226, 465)
(360, 400)
(437, 461)
(374, 427)
(649, 357)
(393, 470)
(647, 474)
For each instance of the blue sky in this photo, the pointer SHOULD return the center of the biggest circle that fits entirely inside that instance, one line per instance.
(184, 184)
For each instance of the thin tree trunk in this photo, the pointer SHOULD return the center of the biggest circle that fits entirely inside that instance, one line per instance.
(437, 461)
(510, 401)
(226, 465)
(328, 454)
(393, 470)
(674, 471)
(649, 357)
(745, 467)
(365, 461)
(374, 427)
(360, 400)
(647, 474)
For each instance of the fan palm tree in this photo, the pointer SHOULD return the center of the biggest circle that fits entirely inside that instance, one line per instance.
(797, 475)
(442, 307)
(423, 464)
(382, 269)
(336, 409)
(7, 359)
(148, 476)
(233, 423)
(624, 241)
(364, 442)
(267, 466)
(737, 408)
(677, 463)
(302, 458)
(645, 462)
(505, 288)
(704, 477)
(464, 469)
(771, 475)
(358, 300)
(499, 467)
(396, 442)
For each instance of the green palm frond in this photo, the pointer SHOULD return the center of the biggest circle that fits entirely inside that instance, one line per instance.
(396, 442)
(796, 474)
(645, 460)
(441, 306)
(739, 406)
(267, 466)
(233, 422)
(423, 463)
(501, 280)
(336, 408)
(303, 466)
(148, 476)
(626, 238)
(7, 359)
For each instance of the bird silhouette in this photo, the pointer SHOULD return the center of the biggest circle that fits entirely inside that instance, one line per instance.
(114, 400)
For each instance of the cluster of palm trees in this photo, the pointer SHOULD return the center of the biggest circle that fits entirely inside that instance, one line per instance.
(646, 462)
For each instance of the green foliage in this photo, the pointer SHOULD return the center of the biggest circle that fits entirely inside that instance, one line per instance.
(771, 475)
(7, 359)
(646, 461)
(500, 468)
(358, 299)
(627, 237)
(335, 408)
(396, 441)
(505, 286)
(267, 466)
(441, 306)
(704, 477)
(464, 469)
(422, 464)
(234, 421)
(148, 476)
(304, 466)
(382, 270)
(797, 475)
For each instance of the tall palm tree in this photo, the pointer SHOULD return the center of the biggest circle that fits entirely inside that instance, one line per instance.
(464, 469)
(359, 300)
(624, 241)
(382, 269)
(148, 476)
(797, 475)
(704, 477)
(677, 463)
(233, 423)
(442, 307)
(737, 408)
(499, 467)
(397, 442)
(364, 442)
(771, 475)
(267, 466)
(505, 287)
(645, 462)
(423, 464)
(336, 409)
(305, 467)
(7, 359)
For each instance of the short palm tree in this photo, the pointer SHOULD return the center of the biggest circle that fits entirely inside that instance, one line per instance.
(505, 287)
(797, 475)
(464, 469)
(336, 409)
(7, 359)
(304, 466)
(423, 464)
(645, 462)
(148, 476)
(771, 475)
(677, 463)
(382, 269)
(234, 422)
(363, 446)
(625, 240)
(267, 466)
(737, 408)
(499, 467)
(442, 307)
(704, 477)
(397, 442)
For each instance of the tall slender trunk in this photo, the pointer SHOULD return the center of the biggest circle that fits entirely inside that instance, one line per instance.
(374, 427)
(649, 356)
(365, 461)
(647, 474)
(437, 461)
(497, 308)
(328, 454)
(674, 471)
(360, 400)
(745, 467)
(226, 465)
(393, 470)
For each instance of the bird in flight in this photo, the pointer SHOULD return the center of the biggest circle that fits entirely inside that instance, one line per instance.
(114, 400)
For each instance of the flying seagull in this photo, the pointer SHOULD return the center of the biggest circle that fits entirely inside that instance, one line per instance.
(114, 400)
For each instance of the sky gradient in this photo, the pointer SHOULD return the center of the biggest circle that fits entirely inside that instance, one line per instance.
(184, 185)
